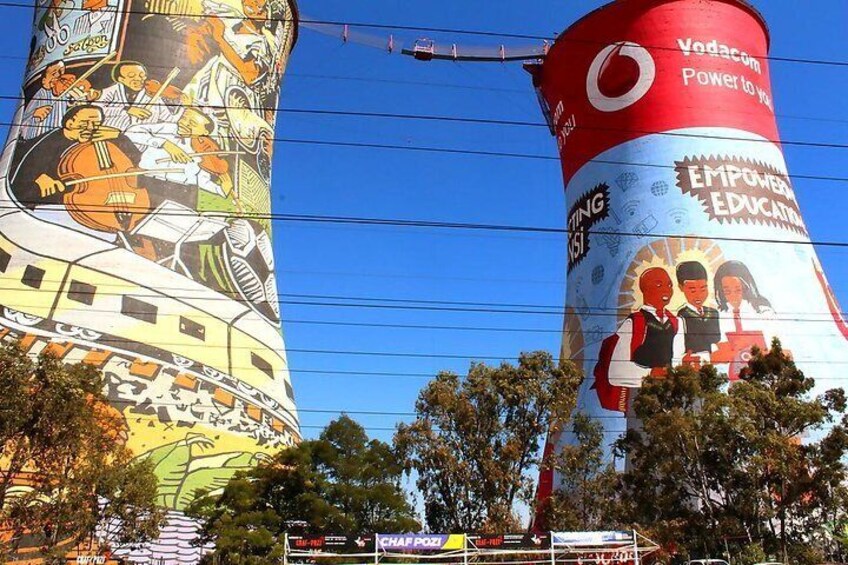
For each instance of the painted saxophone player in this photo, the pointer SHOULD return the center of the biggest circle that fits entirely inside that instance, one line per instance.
(136, 232)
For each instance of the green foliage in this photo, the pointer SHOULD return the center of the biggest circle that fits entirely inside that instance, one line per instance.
(65, 470)
(804, 554)
(587, 496)
(750, 555)
(719, 468)
(476, 439)
(341, 483)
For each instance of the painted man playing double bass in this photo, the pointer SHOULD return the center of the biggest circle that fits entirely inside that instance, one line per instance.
(86, 170)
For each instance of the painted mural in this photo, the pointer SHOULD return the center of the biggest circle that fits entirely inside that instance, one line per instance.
(686, 241)
(135, 232)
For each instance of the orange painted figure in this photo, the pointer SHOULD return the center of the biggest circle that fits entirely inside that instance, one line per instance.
(58, 91)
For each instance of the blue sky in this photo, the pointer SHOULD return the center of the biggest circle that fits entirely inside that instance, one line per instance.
(427, 264)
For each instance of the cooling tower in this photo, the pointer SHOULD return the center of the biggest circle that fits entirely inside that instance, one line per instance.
(135, 232)
(686, 243)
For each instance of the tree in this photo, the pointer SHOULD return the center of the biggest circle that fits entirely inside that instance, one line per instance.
(341, 483)
(66, 476)
(758, 464)
(587, 495)
(475, 440)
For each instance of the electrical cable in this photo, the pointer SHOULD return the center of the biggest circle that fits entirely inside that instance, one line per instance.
(470, 120)
(430, 29)
(481, 88)
(475, 87)
(586, 312)
(397, 222)
(463, 328)
(139, 417)
(389, 374)
(355, 412)
(483, 153)
(403, 354)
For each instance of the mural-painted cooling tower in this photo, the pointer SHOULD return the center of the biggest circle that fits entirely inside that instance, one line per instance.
(135, 231)
(664, 119)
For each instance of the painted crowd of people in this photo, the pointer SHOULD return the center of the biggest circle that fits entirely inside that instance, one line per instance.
(138, 142)
(104, 143)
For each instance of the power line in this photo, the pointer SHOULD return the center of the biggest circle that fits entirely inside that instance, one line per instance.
(399, 82)
(483, 153)
(118, 342)
(414, 355)
(394, 374)
(557, 309)
(431, 29)
(505, 154)
(420, 276)
(427, 327)
(487, 121)
(525, 123)
(396, 222)
(405, 354)
(432, 84)
(187, 404)
(412, 304)
(394, 354)
(139, 417)
(515, 91)
(388, 374)
(357, 412)
(822, 427)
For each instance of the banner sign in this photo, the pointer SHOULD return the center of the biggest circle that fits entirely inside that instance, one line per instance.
(741, 190)
(590, 208)
(420, 542)
(588, 539)
(510, 541)
(332, 543)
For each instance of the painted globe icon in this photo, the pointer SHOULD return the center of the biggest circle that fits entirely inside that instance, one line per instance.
(659, 188)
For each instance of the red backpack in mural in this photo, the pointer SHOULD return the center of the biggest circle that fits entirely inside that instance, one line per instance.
(614, 397)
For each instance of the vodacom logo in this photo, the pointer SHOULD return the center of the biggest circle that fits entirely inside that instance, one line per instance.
(620, 75)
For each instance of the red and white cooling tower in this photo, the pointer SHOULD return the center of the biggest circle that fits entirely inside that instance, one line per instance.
(686, 242)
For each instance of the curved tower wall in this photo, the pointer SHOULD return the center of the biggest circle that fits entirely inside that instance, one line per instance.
(135, 231)
(687, 243)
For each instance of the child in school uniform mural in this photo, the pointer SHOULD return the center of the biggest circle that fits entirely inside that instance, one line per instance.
(746, 317)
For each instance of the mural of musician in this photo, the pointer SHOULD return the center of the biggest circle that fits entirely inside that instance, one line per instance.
(133, 99)
(44, 112)
(50, 170)
(141, 244)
